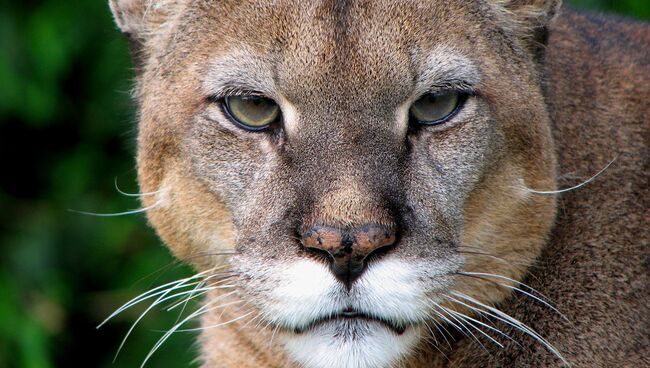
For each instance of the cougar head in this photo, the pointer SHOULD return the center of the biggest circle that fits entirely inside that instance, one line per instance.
(359, 158)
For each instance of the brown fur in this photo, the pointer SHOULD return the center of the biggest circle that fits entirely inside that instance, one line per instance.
(565, 95)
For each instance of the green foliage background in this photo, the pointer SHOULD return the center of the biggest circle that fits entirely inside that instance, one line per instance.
(67, 131)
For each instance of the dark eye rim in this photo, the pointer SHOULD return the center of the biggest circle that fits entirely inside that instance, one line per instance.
(463, 96)
(225, 108)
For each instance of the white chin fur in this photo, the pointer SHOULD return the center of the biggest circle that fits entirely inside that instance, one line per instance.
(350, 344)
(306, 291)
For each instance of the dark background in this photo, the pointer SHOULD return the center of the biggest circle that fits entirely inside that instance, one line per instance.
(67, 134)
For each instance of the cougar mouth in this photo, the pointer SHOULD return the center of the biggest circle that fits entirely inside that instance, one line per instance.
(350, 314)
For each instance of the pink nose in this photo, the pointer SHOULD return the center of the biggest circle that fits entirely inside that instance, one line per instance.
(348, 250)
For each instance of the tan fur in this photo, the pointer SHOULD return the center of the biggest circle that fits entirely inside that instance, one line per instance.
(557, 94)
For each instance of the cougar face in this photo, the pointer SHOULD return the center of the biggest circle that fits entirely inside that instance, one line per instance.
(296, 135)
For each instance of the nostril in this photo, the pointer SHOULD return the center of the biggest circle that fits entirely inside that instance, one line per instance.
(380, 252)
(320, 253)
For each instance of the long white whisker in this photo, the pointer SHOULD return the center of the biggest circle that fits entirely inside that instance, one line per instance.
(442, 328)
(435, 341)
(153, 292)
(574, 187)
(199, 291)
(174, 296)
(444, 318)
(162, 296)
(156, 294)
(490, 327)
(544, 301)
(461, 324)
(142, 297)
(516, 323)
(186, 300)
(134, 194)
(481, 311)
(171, 331)
(218, 324)
(538, 299)
(504, 278)
(128, 333)
(433, 334)
(126, 213)
(465, 317)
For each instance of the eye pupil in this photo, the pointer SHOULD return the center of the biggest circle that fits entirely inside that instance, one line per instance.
(252, 112)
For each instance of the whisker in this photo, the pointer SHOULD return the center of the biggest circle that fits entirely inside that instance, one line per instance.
(162, 293)
(218, 271)
(255, 320)
(501, 259)
(275, 329)
(490, 327)
(134, 194)
(186, 300)
(150, 293)
(444, 318)
(126, 213)
(202, 291)
(461, 324)
(435, 341)
(442, 328)
(470, 319)
(573, 187)
(218, 324)
(164, 338)
(223, 252)
(466, 273)
(544, 299)
(539, 300)
(128, 333)
(219, 306)
(206, 283)
(162, 298)
(515, 323)
(433, 334)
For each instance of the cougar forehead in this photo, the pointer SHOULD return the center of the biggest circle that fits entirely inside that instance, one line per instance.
(357, 49)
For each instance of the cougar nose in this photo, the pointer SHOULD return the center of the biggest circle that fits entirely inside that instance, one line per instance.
(348, 249)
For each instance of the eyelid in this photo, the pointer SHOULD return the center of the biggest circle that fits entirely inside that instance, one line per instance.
(465, 89)
(231, 91)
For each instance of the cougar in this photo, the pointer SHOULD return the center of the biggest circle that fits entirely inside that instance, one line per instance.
(397, 183)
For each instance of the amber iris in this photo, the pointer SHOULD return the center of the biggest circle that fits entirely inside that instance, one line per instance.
(252, 112)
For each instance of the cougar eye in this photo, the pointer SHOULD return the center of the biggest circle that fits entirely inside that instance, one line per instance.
(436, 108)
(252, 112)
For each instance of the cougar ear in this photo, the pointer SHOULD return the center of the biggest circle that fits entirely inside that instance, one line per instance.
(141, 19)
(129, 15)
(530, 19)
(535, 12)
